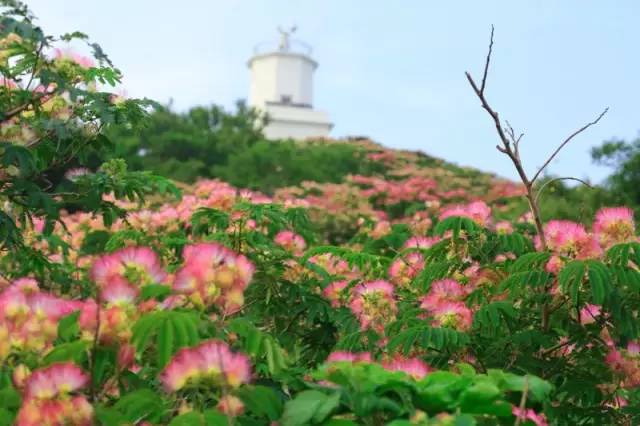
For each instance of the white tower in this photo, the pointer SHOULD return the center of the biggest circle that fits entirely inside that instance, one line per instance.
(282, 87)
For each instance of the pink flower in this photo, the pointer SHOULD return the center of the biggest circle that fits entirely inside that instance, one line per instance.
(291, 242)
(334, 292)
(614, 225)
(414, 367)
(83, 61)
(589, 313)
(633, 348)
(20, 375)
(75, 411)
(554, 265)
(126, 356)
(528, 414)
(406, 268)
(373, 304)
(30, 317)
(334, 265)
(381, 229)
(230, 405)
(56, 379)
(452, 314)
(212, 362)
(213, 274)
(420, 242)
(8, 83)
(626, 364)
(116, 321)
(570, 239)
(443, 290)
(138, 265)
(352, 357)
(504, 227)
(478, 211)
(118, 292)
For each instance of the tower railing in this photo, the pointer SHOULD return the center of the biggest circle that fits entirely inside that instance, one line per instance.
(293, 46)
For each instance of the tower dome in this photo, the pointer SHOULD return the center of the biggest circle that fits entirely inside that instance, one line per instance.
(282, 87)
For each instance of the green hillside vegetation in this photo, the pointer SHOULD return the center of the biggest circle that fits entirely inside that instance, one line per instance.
(210, 142)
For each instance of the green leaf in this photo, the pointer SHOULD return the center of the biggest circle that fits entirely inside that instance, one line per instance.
(300, 410)
(426, 337)
(517, 282)
(155, 291)
(109, 416)
(570, 278)
(261, 401)
(6, 417)
(10, 398)
(172, 330)
(478, 395)
(95, 242)
(192, 418)
(68, 328)
(345, 422)
(327, 407)
(104, 362)
(215, 418)
(600, 281)
(538, 390)
(75, 351)
(495, 317)
(456, 224)
(515, 243)
(141, 404)
(166, 343)
(529, 262)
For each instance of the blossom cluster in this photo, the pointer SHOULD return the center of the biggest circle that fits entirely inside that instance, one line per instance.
(49, 397)
(29, 317)
(213, 274)
(413, 367)
(209, 363)
(445, 304)
(374, 305)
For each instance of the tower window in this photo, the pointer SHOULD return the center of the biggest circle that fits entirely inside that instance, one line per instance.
(285, 99)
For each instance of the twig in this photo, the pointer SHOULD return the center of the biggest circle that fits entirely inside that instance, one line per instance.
(506, 144)
(523, 402)
(486, 64)
(539, 192)
(566, 141)
(35, 65)
(8, 115)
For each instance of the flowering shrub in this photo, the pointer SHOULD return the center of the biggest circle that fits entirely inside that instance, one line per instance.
(435, 307)
(215, 307)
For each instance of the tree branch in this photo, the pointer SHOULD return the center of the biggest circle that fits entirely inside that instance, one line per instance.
(486, 64)
(506, 147)
(8, 115)
(566, 141)
(544, 185)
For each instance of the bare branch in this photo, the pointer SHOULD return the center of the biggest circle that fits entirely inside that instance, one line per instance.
(515, 140)
(557, 180)
(506, 148)
(486, 64)
(566, 141)
(494, 115)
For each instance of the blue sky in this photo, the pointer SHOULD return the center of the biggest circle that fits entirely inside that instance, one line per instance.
(395, 70)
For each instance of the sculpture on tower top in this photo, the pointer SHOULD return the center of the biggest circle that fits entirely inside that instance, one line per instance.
(284, 37)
